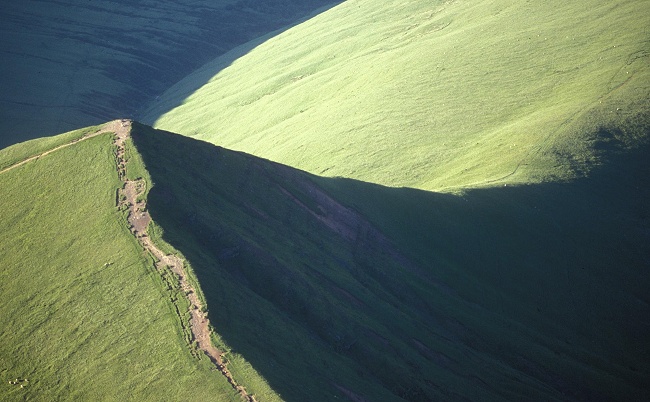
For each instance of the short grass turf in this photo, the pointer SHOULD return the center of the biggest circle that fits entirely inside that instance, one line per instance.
(85, 316)
(438, 95)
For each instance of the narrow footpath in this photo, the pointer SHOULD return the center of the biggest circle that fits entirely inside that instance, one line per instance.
(139, 219)
(106, 128)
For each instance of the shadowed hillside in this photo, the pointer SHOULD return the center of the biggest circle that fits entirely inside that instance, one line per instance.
(336, 287)
(71, 63)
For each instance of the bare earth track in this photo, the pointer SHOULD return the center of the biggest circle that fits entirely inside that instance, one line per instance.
(138, 219)
(107, 128)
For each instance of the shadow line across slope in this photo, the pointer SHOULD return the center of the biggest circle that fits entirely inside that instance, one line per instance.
(387, 293)
(70, 64)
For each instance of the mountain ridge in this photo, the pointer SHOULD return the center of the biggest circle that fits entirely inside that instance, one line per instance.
(390, 201)
(364, 291)
(83, 296)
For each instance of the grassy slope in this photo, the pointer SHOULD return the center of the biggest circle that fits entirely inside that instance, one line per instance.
(15, 154)
(246, 264)
(538, 290)
(519, 292)
(525, 292)
(76, 328)
(69, 63)
(434, 95)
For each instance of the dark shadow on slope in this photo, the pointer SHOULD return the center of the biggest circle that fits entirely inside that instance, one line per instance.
(71, 64)
(532, 292)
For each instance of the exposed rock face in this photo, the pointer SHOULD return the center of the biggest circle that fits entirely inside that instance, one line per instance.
(69, 63)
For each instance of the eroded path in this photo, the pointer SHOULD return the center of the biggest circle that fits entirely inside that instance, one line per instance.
(139, 219)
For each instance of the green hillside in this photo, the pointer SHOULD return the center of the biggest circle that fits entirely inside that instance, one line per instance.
(438, 95)
(390, 201)
(341, 288)
(68, 64)
(85, 316)
(319, 288)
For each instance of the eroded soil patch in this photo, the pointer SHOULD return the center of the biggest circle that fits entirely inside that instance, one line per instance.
(131, 198)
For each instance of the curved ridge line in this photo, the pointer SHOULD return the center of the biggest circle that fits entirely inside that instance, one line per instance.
(138, 219)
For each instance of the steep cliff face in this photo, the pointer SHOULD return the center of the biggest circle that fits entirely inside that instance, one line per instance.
(71, 63)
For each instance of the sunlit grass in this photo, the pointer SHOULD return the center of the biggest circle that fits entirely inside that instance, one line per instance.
(513, 292)
(18, 153)
(85, 315)
(434, 95)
